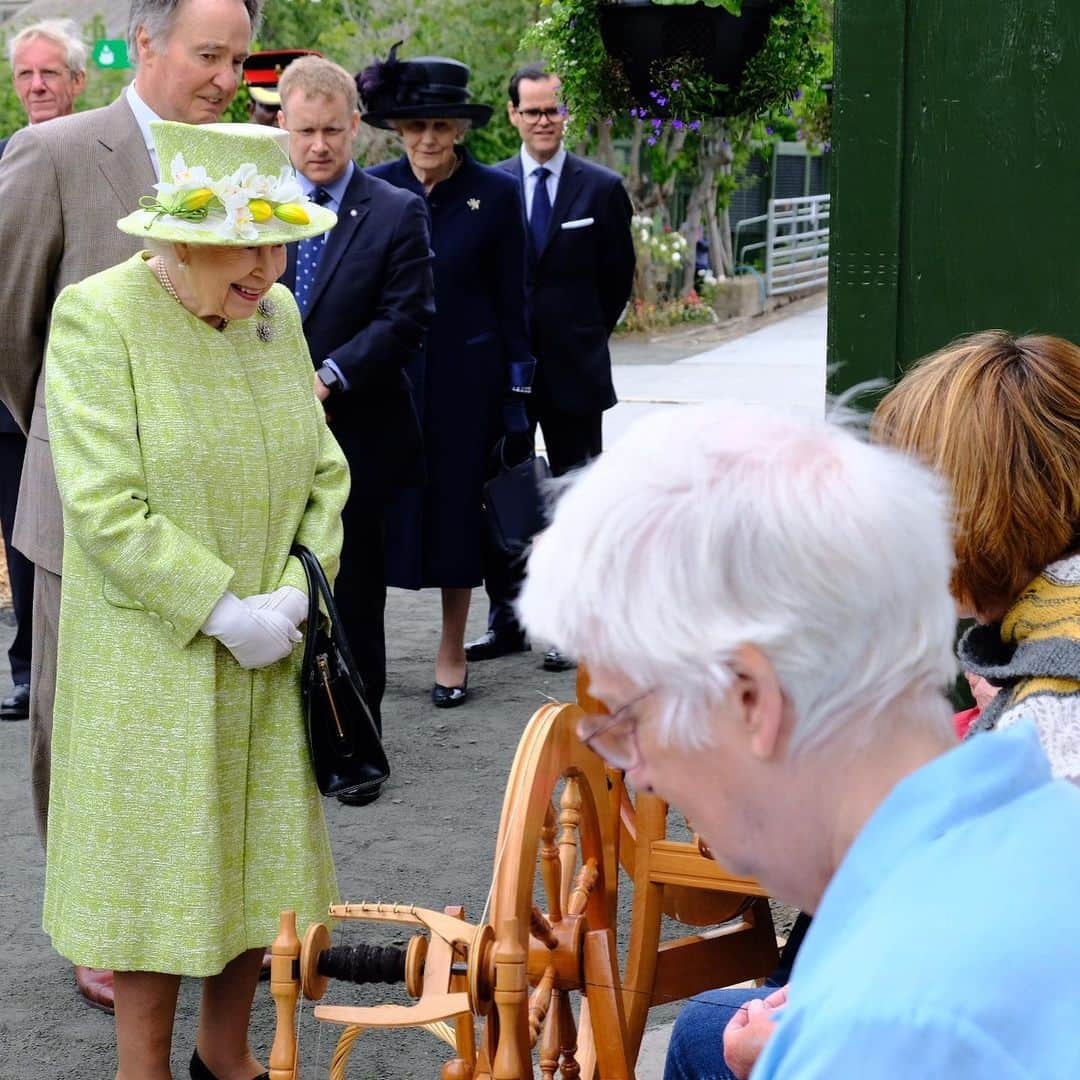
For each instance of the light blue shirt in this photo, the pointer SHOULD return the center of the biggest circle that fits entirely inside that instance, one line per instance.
(336, 191)
(529, 165)
(947, 946)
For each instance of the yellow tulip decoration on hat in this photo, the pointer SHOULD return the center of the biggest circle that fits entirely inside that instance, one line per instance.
(226, 184)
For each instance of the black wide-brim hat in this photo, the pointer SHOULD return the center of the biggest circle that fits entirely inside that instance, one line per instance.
(427, 87)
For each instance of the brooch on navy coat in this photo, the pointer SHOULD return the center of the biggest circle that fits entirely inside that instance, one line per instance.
(473, 204)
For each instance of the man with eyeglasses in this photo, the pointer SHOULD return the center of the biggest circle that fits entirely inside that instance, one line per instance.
(48, 68)
(764, 607)
(580, 270)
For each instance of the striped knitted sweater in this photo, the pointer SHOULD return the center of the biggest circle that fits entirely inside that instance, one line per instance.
(1033, 654)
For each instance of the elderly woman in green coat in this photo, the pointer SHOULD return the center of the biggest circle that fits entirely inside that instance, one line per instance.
(191, 454)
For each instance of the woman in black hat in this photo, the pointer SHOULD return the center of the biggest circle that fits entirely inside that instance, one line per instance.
(472, 382)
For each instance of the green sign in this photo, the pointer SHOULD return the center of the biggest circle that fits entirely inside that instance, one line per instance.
(111, 53)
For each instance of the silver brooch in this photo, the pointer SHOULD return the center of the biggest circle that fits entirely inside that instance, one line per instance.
(473, 204)
(263, 330)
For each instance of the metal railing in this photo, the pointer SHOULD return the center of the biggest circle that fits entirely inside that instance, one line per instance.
(796, 243)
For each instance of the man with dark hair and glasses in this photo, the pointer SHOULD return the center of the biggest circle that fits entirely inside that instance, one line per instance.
(580, 269)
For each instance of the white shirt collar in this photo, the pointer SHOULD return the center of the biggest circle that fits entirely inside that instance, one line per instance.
(143, 117)
(555, 165)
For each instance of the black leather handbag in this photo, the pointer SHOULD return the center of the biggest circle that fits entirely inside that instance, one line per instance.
(514, 502)
(346, 751)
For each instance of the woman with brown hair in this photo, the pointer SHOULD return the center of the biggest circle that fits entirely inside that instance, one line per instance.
(999, 418)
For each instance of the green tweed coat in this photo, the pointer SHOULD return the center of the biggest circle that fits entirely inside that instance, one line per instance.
(183, 813)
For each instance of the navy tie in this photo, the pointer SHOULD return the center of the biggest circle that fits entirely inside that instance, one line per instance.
(308, 254)
(541, 208)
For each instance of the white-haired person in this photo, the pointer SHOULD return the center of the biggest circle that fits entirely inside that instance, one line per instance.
(764, 607)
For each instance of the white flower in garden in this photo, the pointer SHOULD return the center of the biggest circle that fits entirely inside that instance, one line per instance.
(676, 258)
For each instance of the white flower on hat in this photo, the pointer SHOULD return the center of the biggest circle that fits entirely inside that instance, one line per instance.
(239, 221)
(185, 179)
(286, 188)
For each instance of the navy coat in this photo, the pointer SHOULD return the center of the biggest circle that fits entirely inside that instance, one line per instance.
(578, 285)
(435, 537)
(369, 307)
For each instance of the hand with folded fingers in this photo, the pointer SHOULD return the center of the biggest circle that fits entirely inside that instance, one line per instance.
(257, 637)
(290, 601)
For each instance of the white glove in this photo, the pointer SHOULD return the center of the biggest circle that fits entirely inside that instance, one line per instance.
(290, 601)
(257, 638)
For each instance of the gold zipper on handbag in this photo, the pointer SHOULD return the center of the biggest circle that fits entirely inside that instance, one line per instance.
(324, 669)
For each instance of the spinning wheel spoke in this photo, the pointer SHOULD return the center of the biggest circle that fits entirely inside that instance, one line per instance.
(567, 1039)
(584, 884)
(569, 824)
(550, 866)
(549, 1041)
(542, 929)
(540, 1003)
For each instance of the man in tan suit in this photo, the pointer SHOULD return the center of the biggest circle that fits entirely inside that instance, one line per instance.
(63, 185)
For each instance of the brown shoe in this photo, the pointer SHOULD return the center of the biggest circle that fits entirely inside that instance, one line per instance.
(96, 987)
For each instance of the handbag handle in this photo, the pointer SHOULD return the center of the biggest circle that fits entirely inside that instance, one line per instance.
(319, 586)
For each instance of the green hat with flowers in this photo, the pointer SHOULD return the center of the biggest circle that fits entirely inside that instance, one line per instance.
(225, 184)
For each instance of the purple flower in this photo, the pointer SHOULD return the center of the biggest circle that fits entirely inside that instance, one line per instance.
(677, 125)
(654, 94)
(789, 111)
(694, 125)
(798, 94)
(675, 85)
(633, 112)
(768, 131)
(651, 140)
(657, 123)
(661, 101)
(608, 122)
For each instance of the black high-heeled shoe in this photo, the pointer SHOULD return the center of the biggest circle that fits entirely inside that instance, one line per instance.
(199, 1071)
(446, 697)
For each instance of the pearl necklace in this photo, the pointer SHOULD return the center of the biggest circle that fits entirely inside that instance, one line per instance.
(166, 283)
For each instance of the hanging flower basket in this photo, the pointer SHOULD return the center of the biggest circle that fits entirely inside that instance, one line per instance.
(645, 37)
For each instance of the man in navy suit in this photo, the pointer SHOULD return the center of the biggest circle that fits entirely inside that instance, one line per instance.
(367, 299)
(580, 271)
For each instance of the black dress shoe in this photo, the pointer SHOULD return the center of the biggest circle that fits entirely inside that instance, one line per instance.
(200, 1072)
(360, 798)
(446, 697)
(555, 661)
(16, 706)
(490, 645)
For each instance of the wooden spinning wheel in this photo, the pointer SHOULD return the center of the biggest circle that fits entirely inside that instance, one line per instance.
(554, 828)
(541, 972)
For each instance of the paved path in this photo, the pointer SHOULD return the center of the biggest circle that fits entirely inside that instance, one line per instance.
(782, 365)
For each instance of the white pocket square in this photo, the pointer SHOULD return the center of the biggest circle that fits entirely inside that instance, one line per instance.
(578, 223)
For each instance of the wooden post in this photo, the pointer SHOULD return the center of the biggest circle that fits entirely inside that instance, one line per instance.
(285, 987)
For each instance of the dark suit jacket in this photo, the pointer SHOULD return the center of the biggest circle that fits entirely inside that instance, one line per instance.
(370, 305)
(578, 286)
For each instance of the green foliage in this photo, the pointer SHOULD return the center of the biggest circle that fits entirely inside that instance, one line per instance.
(594, 89)
(593, 85)
(482, 33)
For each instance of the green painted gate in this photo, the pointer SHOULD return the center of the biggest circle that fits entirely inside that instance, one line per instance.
(956, 176)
